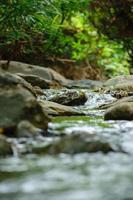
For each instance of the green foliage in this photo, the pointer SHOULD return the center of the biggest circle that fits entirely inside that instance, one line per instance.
(25, 21)
(114, 19)
(58, 28)
(80, 40)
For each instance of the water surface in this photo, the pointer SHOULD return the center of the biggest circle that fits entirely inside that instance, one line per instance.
(83, 176)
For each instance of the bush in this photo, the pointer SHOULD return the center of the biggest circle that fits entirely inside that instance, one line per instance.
(66, 28)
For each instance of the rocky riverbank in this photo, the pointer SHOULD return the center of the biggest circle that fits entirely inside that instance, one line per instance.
(30, 96)
(64, 139)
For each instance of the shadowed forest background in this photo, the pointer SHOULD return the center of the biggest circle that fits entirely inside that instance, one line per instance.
(69, 34)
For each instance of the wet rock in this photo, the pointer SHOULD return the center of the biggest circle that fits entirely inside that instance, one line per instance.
(35, 80)
(56, 109)
(42, 72)
(5, 147)
(76, 143)
(83, 84)
(120, 111)
(69, 97)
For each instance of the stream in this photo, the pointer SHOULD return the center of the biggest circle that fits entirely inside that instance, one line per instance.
(73, 176)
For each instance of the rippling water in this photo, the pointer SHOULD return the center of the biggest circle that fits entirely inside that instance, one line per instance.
(83, 176)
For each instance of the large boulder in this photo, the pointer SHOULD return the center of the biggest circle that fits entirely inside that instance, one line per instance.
(120, 111)
(18, 103)
(42, 72)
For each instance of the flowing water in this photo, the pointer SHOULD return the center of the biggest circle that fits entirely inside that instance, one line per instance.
(81, 176)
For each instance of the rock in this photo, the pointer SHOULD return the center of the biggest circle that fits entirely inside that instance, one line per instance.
(125, 99)
(8, 80)
(126, 86)
(17, 103)
(42, 72)
(118, 80)
(116, 102)
(5, 147)
(69, 97)
(57, 77)
(83, 84)
(76, 143)
(18, 67)
(38, 91)
(27, 129)
(119, 87)
(120, 111)
(56, 85)
(36, 80)
(56, 109)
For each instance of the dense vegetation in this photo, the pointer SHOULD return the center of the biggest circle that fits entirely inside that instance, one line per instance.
(97, 31)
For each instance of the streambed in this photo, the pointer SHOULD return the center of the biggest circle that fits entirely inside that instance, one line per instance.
(73, 176)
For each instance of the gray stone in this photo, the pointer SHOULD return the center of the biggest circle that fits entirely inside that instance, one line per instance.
(42, 72)
(9, 80)
(83, 84)
(116, 102)
(69, 97)
(120, 111)
(56, 109)
(35, 80)
(17, 103)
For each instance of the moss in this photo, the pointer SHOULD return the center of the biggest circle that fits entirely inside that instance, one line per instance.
(95, 121)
